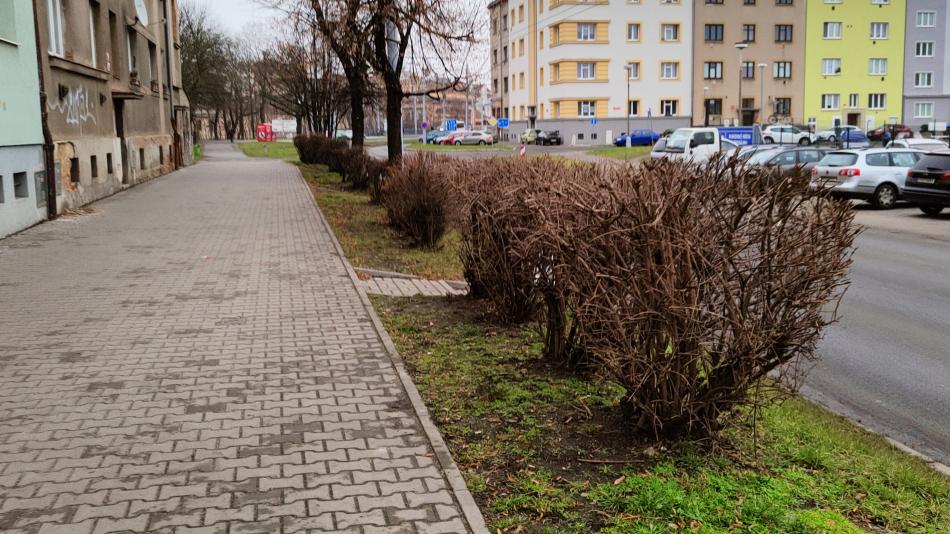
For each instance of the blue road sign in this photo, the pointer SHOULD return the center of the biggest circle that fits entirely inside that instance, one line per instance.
(451, 124)
(502, 123)
(425, 125)
(593, 121)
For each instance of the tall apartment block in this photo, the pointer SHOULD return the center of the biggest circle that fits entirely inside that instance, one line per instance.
(748, 61)
(585, 67)
(854, 62)
(498, 23)
(926, 67)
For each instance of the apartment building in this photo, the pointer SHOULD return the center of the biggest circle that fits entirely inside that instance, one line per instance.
(748, 62)
(926, 71)
(573, 62)
(499, 38)
(854, 62)
(115, 97)
(23, 189)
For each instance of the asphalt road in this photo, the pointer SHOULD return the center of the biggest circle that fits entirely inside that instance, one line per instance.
(886, 364)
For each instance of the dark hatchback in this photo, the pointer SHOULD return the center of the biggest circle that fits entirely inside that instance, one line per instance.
(928, 182)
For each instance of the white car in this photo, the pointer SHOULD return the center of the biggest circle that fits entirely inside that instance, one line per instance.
(830, 136)
(918, 143)
(784, 134)
(876, 175)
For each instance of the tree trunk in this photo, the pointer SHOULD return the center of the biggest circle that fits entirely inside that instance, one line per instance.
(357, 117)
(394, 121)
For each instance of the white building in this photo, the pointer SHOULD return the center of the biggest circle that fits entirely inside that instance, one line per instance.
(573, 61)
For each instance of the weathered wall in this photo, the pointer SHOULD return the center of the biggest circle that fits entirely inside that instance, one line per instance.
(21, 209)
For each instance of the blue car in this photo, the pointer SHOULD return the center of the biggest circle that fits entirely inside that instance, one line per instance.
(854, 139)
(637, 138)
(431, 135)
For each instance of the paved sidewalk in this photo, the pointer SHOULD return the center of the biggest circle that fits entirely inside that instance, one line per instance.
(407, 286)
(195, 357)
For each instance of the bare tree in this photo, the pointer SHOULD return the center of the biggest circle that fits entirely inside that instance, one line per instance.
(203, 53)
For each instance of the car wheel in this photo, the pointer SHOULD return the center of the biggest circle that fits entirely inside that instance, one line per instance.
(804, 141)
(458, 143)
(832, 139)
(931, 210)
(884, 197)
(769, 140)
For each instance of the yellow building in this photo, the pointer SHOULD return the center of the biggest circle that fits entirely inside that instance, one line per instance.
(854, 62)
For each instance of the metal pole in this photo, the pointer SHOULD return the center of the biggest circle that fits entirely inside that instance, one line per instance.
(628, 107)
(424, 122)
(761, 93)
(739, 104)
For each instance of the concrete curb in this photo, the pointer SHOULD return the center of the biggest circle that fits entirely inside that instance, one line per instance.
(470, 511)
(459, 285)
(833, 406)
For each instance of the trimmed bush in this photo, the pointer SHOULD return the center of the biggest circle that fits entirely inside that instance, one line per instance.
(352, 164)
(416, 194)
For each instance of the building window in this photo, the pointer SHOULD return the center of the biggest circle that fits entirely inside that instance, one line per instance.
(633, 71)
(714, 1)
(152, 68)
(586, 31)
(877, 101)
(713, 32)
(520, 80)
(831, 30)
(783, 106)
(831, 66)
(633, 108)
(93, 31)
(784, 2)
(923, 110)
(142, 159)
(853, 100)
(747, 70)
(714, 106)
(924, 49)
(504, 54)
(879, 30)
(504, 83)
(748, 33)
(668, 108)
(712, 70)
(783, 33)
(782, 69)
(520, 47)
(585, 71)
(633, 31)
(520, 14)
(504, 22)
(94, 166)
(669, 70)
(881, 2)
(926, 19)
(670, 32)
(132, 45)
(830, 101)
(923, 79)
(54, 15)
(587, 108)
(109, 168)
(74, 170)
(877, 66)
(749, 2)
(541, 39)
(20, 187)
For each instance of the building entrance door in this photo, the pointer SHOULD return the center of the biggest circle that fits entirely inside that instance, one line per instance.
(119, 113)
(854, 119)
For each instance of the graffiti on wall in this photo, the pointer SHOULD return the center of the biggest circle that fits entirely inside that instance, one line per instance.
(76, 104)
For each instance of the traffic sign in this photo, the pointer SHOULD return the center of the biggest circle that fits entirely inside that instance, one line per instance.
(492, 121)
(451, 124)
(593, 121)
(425, 125)
(502, 123)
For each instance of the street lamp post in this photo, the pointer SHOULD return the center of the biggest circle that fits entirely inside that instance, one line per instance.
(705, 106)
(629, 75)
(762, 67)
(742, 45)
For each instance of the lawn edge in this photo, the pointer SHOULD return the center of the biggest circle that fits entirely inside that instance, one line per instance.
(470, 510)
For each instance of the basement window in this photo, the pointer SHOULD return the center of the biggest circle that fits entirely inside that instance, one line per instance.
(142, 158)
(109, 168)
(1, 189)
(20, 187)
(74, 170)
(94, 166)
(161, 155)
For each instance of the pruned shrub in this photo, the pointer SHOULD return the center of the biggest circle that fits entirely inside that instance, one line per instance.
(416, 195)
(352, 164)
(689, 285)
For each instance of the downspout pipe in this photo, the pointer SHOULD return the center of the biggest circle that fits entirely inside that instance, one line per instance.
(177, 156)
(49, 148)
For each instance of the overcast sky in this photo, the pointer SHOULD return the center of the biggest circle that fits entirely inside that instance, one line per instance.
(237, 15)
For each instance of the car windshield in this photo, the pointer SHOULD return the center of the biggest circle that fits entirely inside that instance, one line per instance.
(660, 144)
(934, 161)
(679, 140)
(838, 159)
(936, 145)
(763, 156)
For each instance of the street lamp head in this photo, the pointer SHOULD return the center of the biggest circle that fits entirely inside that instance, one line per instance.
(742, 45)
(763, 65)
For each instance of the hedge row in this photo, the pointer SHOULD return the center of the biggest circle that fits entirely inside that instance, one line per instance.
(352, 164)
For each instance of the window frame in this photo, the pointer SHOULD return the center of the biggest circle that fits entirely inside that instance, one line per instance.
(582, 66)
(628, 68)
(932, 46)
(583, 35)
(746, 32)
(711, 31)
(831, 61)
(673, 102)
(675, 27)
(886, 26)
(780, 67)
(676, 70)
(932, 15)
(930, 77)
(631, 25)
(712, 70)
(930, 114)
(784, 33)
(55, 28)
(835, 97)
(831, 24)
(879, 61)
(591, 108)
(877, 101)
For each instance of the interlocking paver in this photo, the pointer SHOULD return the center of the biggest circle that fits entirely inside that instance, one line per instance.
(193, 357)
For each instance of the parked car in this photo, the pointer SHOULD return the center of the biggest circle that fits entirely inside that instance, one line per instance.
(431, 136)
(854, 139)
(785, 134)
(919, 143)
(700, 144)
(898, 131)
(789, 159)
(876, 175)
(549, 137)
(475, 138)
(450, 137)
(830, 136)
(659, 149)
(746, 151)
(344, 134)
(530, 135)
(928, 182)
(637, 138)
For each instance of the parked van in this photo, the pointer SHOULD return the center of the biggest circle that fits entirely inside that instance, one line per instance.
(701, 144)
